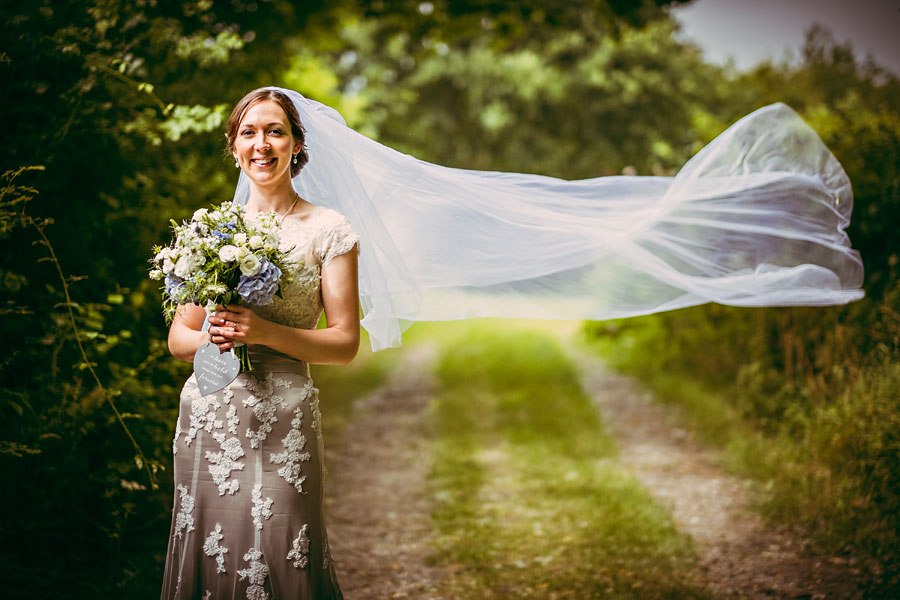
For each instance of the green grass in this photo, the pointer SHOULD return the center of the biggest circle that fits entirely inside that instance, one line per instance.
(826, 463)
(530, 499)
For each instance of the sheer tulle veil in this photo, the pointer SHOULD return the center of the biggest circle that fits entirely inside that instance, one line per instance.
(756, 218)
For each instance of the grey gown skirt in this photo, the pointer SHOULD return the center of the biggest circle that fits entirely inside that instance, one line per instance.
(247, 520)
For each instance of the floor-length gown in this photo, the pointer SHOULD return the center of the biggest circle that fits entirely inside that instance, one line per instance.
(247, 519)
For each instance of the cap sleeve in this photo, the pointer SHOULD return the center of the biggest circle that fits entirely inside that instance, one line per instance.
(337, 237)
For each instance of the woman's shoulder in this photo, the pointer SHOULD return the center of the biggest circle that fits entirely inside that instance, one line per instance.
(328, 216)
(335, 234)
(327, 220)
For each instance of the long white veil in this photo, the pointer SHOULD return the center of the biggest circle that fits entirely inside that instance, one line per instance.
(756, 218)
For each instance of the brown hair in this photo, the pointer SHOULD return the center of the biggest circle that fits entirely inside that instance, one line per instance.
(240, 109)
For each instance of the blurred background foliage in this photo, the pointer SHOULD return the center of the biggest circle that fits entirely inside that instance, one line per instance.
(122, 102)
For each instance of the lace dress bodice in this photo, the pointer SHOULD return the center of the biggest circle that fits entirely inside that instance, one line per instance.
(312, 243)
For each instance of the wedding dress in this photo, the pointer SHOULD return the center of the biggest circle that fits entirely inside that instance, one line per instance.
(247, 520)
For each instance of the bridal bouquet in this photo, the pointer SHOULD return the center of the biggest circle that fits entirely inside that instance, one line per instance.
(219, 258)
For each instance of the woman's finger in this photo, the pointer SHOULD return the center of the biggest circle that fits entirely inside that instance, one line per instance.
(221, 332)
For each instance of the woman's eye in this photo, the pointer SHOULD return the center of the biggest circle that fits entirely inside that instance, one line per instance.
(246, 132)
(275, 132)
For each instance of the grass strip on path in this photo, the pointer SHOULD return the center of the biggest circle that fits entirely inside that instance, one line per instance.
(530, 500)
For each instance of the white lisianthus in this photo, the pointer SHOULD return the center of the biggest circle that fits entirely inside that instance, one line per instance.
(216, 289)
(250, 265)
(240, 238)
(242, 252)
(156, 274)
(228, 253)
(256, 242)
(199, 214)
(168, 265)
(215, 215)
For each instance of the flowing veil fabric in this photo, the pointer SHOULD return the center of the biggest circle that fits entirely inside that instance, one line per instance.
(756, 218)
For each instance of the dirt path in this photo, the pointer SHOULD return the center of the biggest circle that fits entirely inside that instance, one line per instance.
(740, 556)
(377, 509)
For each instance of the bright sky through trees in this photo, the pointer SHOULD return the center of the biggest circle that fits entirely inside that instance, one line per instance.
(750, 32)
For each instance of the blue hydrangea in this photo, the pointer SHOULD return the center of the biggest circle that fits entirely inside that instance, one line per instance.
(173, 281)
(259, 289)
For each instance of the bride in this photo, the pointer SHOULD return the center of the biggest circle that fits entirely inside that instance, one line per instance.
(248, 517)
(756, 218)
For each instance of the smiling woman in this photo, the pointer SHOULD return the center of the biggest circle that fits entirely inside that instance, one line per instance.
(247, 520)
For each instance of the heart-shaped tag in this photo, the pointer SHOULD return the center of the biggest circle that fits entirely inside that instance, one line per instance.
(213, 369)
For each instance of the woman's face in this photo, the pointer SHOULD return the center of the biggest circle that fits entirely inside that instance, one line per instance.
(264, 145)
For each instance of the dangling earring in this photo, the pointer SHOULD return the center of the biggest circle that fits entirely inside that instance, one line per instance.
(237, 165)
(295, 158)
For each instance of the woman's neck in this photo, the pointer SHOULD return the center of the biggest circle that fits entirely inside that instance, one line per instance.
(278, 200)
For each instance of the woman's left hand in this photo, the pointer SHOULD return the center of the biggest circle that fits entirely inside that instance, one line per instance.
(240, 323)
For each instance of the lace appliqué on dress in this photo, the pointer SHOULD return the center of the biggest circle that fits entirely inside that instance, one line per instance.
(262, 400)
(175, 439)
(212, 548)
(256, 573)
(222, 463)
(262, 509)
(293, 443)
(184, 520)
(203, 414)
(299, 553)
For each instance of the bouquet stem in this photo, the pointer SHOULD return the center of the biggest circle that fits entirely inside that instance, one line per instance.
(243, 354)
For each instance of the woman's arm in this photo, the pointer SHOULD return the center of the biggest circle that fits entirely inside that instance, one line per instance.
(337, 344)
(184, 333)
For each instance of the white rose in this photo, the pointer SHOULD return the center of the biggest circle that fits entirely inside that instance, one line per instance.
(242, 252)
(156, 274)
(199, 214)
(168, 265)
(255, 242)
(183, 267)
(197, 261)
(240, 238)
(228, 253)
(250, 265)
